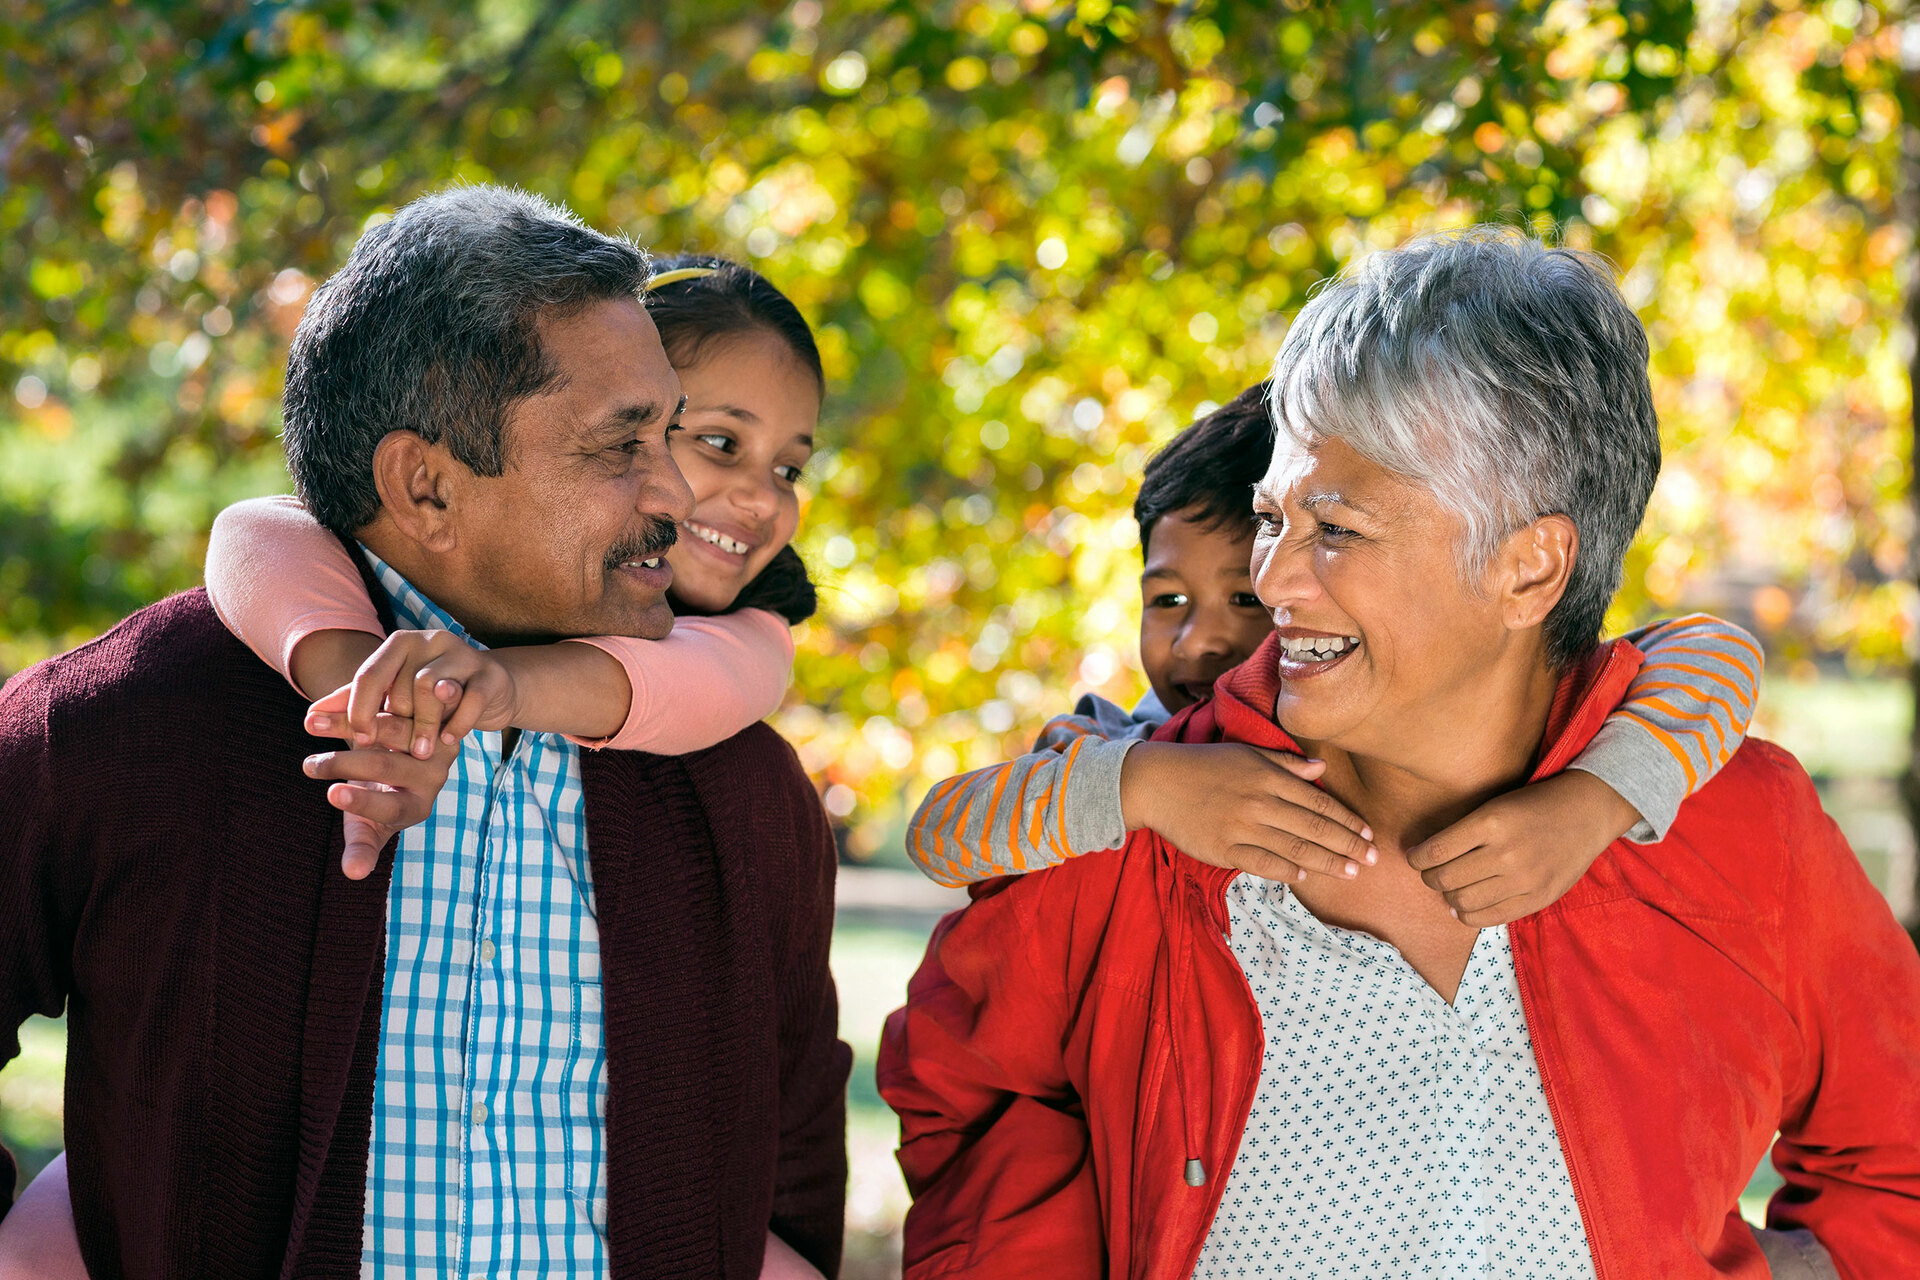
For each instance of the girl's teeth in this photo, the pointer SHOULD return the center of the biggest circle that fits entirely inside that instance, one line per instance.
(717, 538)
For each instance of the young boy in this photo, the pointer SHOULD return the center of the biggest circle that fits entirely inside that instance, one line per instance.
(1095, 775)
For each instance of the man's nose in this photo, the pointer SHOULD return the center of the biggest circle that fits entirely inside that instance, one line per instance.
(666, 492)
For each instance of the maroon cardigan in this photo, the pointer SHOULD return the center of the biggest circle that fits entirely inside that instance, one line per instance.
(171, 879)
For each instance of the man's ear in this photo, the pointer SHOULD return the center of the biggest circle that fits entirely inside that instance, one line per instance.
(1537, 563)
(414, 480)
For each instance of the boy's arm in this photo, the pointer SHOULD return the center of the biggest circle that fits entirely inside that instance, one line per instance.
(1057, 802)
(1683, 716)
(1686, 712)
(276, 577)
(709, 679)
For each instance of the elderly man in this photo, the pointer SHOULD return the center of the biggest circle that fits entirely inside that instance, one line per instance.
(1138, 1065)
(581, 1021)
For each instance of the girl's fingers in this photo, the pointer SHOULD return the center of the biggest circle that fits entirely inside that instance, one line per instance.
(371, 684)
(465, 716)
(427, 710)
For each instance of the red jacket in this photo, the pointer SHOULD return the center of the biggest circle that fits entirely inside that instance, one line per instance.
(1076, 1037)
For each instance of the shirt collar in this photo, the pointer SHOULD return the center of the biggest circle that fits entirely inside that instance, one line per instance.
(412, 611)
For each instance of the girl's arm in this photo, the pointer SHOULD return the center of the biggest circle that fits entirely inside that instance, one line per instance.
(709, 679)
(286, 586)
(290, 591)
(1685, 714)
(37, 1238)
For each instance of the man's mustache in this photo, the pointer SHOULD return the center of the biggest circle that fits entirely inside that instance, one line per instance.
(661, 533)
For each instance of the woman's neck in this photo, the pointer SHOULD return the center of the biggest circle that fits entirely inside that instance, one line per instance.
(1422, 777)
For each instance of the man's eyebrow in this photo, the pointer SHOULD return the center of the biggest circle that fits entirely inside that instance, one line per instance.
(629, 417)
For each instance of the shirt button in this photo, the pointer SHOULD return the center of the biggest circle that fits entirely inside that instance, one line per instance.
(486, 950)
(479, 1113)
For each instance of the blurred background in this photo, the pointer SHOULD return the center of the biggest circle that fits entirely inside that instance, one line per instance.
(1036, 237)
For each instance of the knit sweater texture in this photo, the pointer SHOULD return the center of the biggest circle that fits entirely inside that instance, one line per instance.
(171, 879)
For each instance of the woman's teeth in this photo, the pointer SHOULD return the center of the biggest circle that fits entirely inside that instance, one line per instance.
(717, 538)
(1317, 648)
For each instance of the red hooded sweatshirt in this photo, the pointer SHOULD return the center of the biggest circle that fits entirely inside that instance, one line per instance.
(1080, 1045)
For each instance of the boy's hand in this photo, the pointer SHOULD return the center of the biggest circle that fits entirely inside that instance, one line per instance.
(439, 682)
(381, 789)
(1232, 805)
(1518, 852)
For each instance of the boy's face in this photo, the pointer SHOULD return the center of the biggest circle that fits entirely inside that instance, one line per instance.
(1199, 617)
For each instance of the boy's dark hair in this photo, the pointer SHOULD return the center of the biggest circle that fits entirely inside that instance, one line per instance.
(1208, 471)
(694, 313)
(432, 326)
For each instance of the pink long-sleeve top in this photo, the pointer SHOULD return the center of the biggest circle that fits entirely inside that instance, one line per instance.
(276, 576)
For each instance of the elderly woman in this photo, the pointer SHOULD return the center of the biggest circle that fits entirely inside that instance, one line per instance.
(1138, 1065)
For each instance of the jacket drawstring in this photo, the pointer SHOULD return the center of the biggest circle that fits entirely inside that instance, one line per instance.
(1179, 943)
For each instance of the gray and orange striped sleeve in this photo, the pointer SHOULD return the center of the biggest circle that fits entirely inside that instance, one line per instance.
(1685, 714)
(1057, 802)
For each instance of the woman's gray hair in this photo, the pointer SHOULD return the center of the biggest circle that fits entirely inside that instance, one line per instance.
(1507, 377)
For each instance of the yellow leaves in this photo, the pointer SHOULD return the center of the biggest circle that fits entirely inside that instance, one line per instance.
(966, 74)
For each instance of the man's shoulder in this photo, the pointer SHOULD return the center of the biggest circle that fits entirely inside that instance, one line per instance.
(175, 651)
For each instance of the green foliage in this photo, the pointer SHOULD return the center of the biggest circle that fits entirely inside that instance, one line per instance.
(1036, 238)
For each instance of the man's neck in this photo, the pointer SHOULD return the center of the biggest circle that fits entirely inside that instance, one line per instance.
(432, 576)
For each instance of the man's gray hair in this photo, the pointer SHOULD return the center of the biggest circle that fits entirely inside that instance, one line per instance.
(1508, 378)
(432, 326)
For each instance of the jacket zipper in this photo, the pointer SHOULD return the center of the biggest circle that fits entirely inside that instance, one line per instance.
(1547, 1086)
(1244, 1106)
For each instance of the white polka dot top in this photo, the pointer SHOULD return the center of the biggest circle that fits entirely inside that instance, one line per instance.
(1393, 1135)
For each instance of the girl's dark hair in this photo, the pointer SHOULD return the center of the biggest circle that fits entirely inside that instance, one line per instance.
(695, 313)
(692, 315)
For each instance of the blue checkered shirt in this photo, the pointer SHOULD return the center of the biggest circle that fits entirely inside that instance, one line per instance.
(487, 1155)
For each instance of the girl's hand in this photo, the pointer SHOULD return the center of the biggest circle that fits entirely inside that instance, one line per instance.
(1518, 852)
(441, 684)
(1232, 805)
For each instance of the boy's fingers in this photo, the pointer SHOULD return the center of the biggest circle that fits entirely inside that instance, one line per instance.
(1307, 855)
(1268, 866)
(1480, 899)
(1297, 765)
(1503, 912)
(1468, 868)
(1308, 796)
(1324, 832)
(1443, 847)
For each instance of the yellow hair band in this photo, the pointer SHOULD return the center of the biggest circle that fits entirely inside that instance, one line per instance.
(676, 276)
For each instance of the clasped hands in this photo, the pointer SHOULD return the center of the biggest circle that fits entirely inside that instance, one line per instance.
(403, 716)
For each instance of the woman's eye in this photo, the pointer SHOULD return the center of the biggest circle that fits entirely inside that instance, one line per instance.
(713, 440)
(1336, 533)
(1167, 600)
